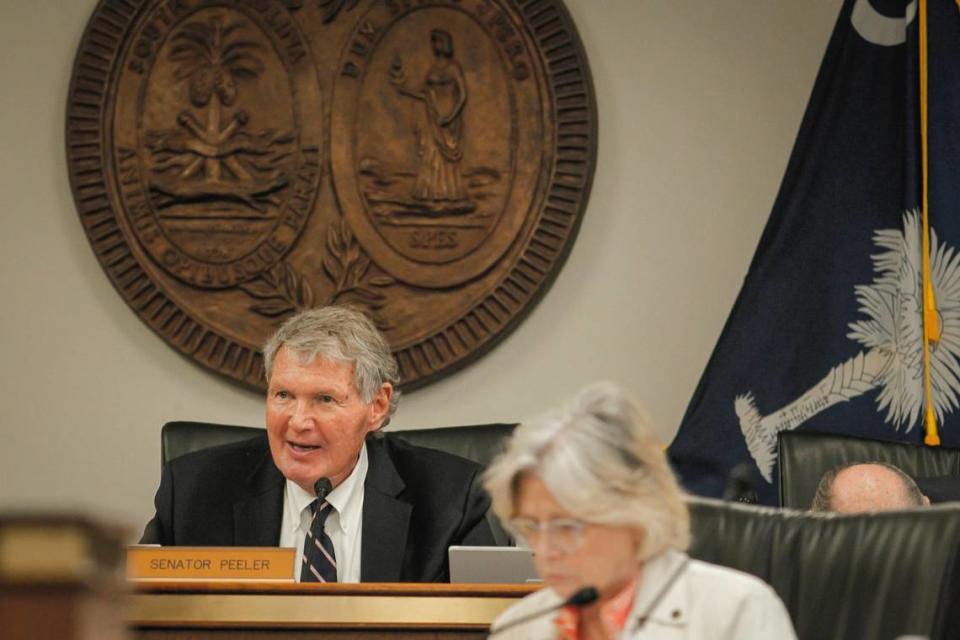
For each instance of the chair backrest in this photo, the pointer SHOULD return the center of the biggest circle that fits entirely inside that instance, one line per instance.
(877, 576)
(181, 437)
(805, 456)
(479, 443)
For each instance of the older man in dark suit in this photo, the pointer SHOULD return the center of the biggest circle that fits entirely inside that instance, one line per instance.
(358, 505)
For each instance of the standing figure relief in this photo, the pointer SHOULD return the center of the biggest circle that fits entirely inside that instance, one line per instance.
(440, 147)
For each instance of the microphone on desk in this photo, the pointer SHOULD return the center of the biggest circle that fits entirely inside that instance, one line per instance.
(739, 485)
(583, 597)
(322, 487)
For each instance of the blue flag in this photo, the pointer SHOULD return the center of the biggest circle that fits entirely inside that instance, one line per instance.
(827, 333)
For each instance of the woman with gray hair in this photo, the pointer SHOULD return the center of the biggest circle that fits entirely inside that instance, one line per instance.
(588, 488)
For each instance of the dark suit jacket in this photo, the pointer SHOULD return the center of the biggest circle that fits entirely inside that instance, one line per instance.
(417, 502)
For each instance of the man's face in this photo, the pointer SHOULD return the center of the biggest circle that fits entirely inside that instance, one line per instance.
(316, 419)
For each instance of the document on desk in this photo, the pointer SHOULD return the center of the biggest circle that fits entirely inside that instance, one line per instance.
(273, 564)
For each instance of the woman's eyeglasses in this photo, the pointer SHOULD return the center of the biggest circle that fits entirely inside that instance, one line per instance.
(564, 534)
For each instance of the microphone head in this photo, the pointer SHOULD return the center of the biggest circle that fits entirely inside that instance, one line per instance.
(583, 597)
(322, 487)
(740, 482)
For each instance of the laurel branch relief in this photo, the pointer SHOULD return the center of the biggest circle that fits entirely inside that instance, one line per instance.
(282, 290)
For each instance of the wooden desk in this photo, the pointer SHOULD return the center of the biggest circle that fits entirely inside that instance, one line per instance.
(60, 578)
(248, 611)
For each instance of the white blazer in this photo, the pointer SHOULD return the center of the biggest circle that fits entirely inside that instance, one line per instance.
(703, 601)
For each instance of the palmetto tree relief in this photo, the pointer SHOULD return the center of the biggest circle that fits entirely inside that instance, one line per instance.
(215, 153)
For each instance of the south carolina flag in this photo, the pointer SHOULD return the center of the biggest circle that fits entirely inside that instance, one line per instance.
(849, 318)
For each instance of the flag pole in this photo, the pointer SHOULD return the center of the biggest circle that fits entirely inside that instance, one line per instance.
(931, 320)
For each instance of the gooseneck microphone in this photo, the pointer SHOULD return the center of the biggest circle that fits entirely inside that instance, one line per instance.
(583, 597)
(322, 487)
(739, 485)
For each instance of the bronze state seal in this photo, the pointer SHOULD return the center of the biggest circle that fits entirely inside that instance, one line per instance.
(234, 161)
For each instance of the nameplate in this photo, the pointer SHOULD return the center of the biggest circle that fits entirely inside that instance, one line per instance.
(210, 563)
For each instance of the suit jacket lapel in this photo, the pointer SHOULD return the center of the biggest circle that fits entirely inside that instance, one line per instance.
(386, 519)
(258, 514)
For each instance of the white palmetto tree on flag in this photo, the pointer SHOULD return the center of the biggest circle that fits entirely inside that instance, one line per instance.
(892, 336)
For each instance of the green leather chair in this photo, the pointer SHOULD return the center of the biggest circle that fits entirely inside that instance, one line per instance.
(480, 443)
(865, 577)
(181, 437)
(805, 456)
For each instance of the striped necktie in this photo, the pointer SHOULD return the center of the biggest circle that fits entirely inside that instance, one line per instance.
(319, 559)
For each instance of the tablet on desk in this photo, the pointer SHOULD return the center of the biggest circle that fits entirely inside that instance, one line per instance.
(497, 565)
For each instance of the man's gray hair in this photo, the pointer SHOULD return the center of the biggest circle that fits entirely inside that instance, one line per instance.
(344, 334)
(823, 498)
(600, 459)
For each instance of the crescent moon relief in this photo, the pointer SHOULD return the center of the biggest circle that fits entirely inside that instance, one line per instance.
(878, 29)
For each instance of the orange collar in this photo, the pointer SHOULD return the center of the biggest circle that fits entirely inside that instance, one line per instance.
(613, 614)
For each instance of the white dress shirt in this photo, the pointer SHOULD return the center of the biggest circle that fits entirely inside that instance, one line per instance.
(680, 599)
(344, 525)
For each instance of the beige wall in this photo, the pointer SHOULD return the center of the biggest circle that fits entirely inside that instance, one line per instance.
(699, 104)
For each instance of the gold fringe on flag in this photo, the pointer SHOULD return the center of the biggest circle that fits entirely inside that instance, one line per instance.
(931, 320)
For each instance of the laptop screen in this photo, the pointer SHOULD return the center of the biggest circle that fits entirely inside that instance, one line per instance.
(492, 565)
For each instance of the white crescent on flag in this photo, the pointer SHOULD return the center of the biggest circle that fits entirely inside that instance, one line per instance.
(878, 29)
